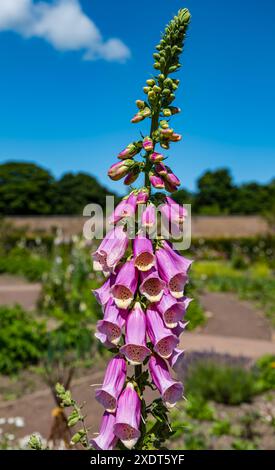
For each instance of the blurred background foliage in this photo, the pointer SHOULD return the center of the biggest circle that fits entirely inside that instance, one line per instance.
(28, 189)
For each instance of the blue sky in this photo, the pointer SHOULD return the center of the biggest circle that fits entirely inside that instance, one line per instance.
(68, 90)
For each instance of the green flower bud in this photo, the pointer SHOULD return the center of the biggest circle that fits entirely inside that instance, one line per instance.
(156, 55)
(167, 112)
(161, 77)
(140, 104)
(173, 68)
(157, 65)
(164, 124)
(150, 82)
(156, 89)
(166, 92)
(146, 89)
(151, 95)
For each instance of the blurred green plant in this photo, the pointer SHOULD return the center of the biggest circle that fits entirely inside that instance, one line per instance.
(22, 339)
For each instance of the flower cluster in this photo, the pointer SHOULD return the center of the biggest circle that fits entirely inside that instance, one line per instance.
(143, 298)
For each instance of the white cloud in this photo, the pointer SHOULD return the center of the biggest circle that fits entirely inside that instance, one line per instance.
(63, 24)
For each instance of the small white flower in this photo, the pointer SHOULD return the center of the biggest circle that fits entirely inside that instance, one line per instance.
(19, 422)
(3, 421)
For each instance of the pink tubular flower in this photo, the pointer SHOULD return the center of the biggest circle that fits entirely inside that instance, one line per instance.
(135, 349)
(120, 169)
(170, 187)
(156, 157)
(164, 340)
(147, 144)
(111, 250)
(178, 213)
(171, 309)
(152, 287)
(128, 416)
(125, 285)
(176, 359)
(113, 384)
(179, 328)
(161, 169)
(106, 440)
(172, 179)
(143, 196)
(103, 294)
(126, 208)
(104, 340)
(143, 253)
(156, 181)
(173, 269)
(148, 217)
(170, 390)
(112, 323)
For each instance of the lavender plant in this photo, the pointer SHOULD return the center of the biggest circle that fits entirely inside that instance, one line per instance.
(143, 297)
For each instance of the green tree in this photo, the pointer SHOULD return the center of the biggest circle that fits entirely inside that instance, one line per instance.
(75, 191)
(25, 188)
(215, 192)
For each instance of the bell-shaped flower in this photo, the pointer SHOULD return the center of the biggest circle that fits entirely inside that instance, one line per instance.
(103, 293)
(111, 250)
(114, 380)
(173, 269)
(156, 181)
(142, 196)
(106, 439)
(176, 359)
(152, 286)
(143, 253)
(125, 285)
(135, 349)
(126, 208)
(148, 217)
(172, 310)
(128, 417)
(112, 323)
(170, 390)
(163, 339)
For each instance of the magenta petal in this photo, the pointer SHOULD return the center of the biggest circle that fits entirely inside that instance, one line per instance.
(126, 208)
(111, 250)
(151, 286)
(143, 196)
(148, 217)
(170, 390)
(128, 416)
(179, 329)
(163, 339)
(176, 359)
(171, 310)
(104, 340)
(143, 253)
(135, 349)
(173, 269)
(113, 383)
(112, 323)
(125, 285)
(106, 440)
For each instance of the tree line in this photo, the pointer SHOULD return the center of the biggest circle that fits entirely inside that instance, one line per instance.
(28, 189)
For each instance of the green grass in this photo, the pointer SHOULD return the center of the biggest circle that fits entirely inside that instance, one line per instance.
(255, 283)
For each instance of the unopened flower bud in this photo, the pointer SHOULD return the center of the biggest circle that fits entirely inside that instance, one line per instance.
(156, 181)
(175, 137)
(146, 89)
(143, 196)
(161, 169)
(132, 176)
(164, 124)
(140, 104)
(130, 151)
(156, 89)
(147, 144)
(173, 68)
(165, 145)
(175, 109)
(156, 157)
(120, 169)
(150, 82)
(146, 112)
(137, 118)
(157, 65)
(167, 132)
(167, 112)
(151, 95)
(166, 92)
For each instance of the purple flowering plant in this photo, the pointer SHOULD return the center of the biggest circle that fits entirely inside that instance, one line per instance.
(142, 299)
